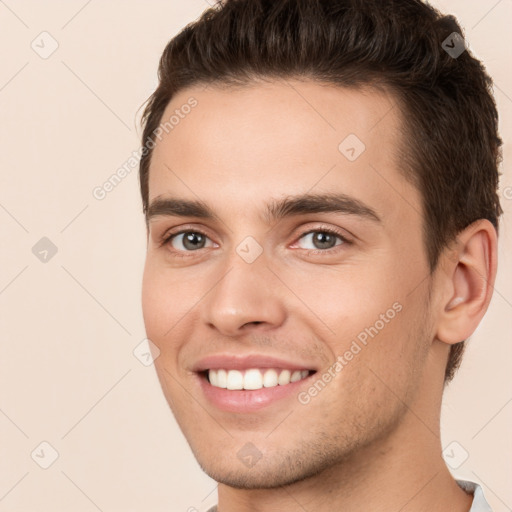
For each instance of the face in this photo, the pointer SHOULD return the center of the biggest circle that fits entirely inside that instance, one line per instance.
(285, 257)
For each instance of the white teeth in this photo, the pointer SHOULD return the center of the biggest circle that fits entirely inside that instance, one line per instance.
(222, 379)
(235, 380)
(270, 379)
(296, 375)
(214, 379)
(254, 378)
(284, 377)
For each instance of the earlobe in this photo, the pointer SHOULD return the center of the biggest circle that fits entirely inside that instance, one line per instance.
(469, 282)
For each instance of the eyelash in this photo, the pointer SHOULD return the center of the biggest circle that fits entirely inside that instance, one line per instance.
(167, 237)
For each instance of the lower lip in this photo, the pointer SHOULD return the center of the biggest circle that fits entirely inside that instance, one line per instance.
(243, 400)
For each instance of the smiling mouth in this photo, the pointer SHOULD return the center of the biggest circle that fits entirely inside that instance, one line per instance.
(254, 378)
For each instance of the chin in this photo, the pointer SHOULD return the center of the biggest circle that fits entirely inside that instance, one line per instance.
(264, 474)
(248, 479)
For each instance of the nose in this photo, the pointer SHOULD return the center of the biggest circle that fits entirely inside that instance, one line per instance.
(247, 296)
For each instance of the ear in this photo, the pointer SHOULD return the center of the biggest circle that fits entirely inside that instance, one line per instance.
(470, 271)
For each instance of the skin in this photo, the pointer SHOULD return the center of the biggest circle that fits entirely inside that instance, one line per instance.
(371, 436)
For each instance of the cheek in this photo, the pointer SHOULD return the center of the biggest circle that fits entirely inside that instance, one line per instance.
(368, 313)
(166, 296)
(168, 307)
(162, 304)
(346, 300)
(397, 345)
(153, 302)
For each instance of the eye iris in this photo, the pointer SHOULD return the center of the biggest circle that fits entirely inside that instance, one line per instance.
(323, 240)
(195, 239)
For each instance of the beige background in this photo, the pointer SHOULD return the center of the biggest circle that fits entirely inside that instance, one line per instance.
(69, 326)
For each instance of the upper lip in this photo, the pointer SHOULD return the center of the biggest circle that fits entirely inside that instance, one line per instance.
(239, 362)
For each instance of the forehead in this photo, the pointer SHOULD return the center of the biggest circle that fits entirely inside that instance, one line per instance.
(240, 146)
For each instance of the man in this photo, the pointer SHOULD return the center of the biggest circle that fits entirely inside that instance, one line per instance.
(319, 180)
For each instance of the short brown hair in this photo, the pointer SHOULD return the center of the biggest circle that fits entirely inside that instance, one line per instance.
(450, 121)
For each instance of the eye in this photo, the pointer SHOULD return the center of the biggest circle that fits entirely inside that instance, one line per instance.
(187, 241)
(322, 239)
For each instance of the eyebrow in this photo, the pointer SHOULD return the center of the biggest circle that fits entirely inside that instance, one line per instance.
(275, 210)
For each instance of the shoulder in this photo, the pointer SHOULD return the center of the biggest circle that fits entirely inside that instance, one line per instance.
(479, 502)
